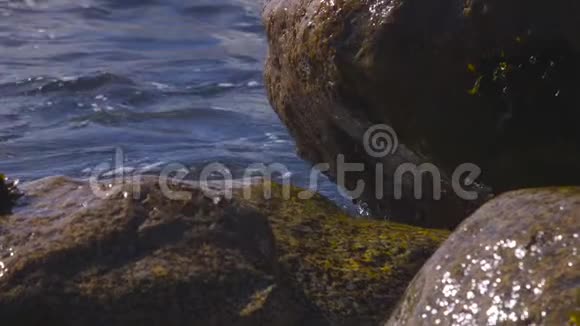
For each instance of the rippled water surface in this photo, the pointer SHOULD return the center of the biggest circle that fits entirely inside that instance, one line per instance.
(165, 81)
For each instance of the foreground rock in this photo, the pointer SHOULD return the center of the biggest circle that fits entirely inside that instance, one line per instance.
(489, 82)
(137, 258)
(515, 261)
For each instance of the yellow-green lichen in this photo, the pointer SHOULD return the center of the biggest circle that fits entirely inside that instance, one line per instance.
(340, 261)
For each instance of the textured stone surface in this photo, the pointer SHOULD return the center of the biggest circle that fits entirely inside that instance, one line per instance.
(489, 82)
(138, 258)
(352, 270)
(514, 262)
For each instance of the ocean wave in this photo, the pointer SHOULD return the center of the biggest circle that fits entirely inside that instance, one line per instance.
(124, 116)
(45, 85)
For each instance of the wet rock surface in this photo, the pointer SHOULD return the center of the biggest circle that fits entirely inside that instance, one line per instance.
(487, 82)
(514, 262)
(138, 258)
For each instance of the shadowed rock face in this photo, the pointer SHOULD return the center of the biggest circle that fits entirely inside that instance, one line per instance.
(9, 194)
(488, 82)
(515, 261)
(138, 258)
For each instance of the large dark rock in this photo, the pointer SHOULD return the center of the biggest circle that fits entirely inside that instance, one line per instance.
(514, 262)
(136, 257)
(489, 82)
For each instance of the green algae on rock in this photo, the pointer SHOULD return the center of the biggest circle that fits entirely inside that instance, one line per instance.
(138, 258)
(489, 82)
(352, 270)
(9, 193)
(515, 261)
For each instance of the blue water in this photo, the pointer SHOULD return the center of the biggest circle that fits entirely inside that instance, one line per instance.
(164, 81)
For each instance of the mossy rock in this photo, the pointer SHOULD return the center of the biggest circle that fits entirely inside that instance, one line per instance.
(136, 257)
(488, 82)
(514, 262)
(351, 269)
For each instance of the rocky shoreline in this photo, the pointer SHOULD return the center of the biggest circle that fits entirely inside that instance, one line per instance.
(491, 84)
(448, 78)
(138, 258)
